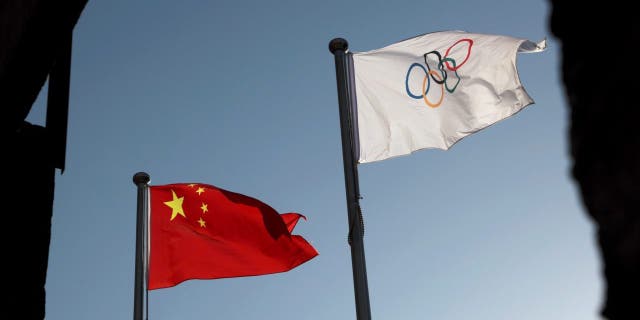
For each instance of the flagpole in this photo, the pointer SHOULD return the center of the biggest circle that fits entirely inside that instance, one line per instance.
(338, 47)
(140, 179)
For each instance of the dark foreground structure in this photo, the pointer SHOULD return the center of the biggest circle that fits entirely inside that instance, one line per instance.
(35, 44)
(601, 81)
(598, 70)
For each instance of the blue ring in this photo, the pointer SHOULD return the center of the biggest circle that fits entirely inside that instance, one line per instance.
(406, 81)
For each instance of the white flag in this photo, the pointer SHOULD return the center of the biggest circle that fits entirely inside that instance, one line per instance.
(432, 90)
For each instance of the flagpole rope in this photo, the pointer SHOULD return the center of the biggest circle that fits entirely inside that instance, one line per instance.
(352, 224)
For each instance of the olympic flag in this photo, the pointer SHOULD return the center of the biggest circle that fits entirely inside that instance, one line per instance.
(432, 90)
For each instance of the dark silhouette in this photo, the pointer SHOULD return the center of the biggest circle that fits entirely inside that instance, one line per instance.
(35, 43)
(600, 73)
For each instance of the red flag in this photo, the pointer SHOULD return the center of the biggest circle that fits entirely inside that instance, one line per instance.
(199, 231)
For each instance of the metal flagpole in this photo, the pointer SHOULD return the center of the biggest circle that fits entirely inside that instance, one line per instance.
(140, 179)
(338, 47)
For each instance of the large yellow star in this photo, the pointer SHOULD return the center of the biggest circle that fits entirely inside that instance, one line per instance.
(175, 205)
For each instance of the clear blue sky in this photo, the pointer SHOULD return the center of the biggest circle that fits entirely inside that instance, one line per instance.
(242, 95)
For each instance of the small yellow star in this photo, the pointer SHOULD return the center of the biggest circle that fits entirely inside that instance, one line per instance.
(192, 185)
(200, 191)
(202, 223)
(175, 205)
(204, 208)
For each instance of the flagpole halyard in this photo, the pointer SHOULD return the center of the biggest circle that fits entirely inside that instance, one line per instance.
(338, 47)
(141, 180)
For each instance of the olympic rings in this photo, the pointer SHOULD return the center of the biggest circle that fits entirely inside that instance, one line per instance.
(440, 75)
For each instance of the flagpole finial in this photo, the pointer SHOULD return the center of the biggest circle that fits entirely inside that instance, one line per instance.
(141, 178)
(338, 44)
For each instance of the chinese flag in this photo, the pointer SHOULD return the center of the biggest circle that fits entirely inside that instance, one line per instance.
(198, 231)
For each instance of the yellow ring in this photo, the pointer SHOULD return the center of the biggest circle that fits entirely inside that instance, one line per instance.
(424, 87)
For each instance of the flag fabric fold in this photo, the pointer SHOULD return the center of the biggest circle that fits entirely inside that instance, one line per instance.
(199, 231)
(432, 90)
